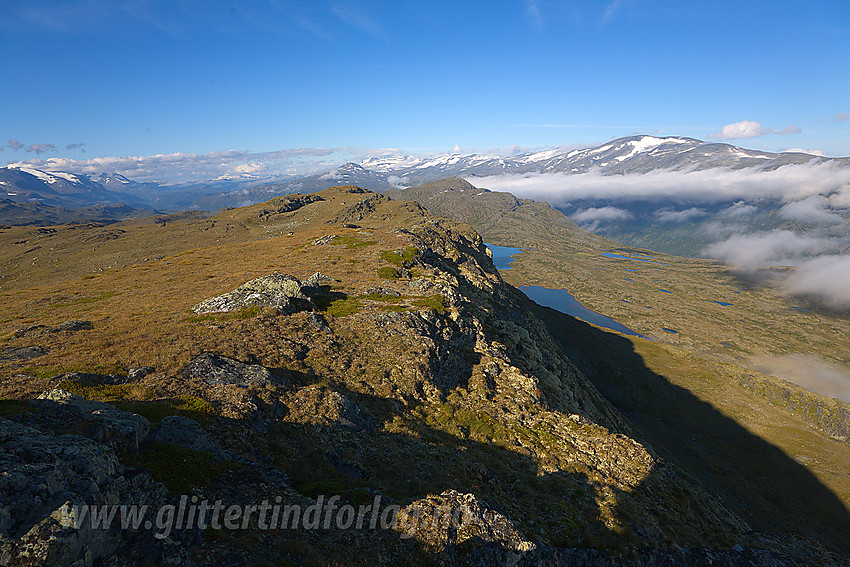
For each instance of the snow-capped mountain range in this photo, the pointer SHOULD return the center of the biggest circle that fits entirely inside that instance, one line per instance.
(634, 154)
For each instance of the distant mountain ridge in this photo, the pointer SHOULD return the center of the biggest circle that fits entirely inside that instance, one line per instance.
(629, 155)
(60, 189)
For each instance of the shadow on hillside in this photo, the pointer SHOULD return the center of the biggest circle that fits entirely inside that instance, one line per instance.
(753, 478)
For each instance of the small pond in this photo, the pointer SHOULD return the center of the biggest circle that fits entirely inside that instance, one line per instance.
(558, 299)
(563, 301)
(503, 255)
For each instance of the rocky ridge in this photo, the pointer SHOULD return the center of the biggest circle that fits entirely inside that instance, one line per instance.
(417, 375)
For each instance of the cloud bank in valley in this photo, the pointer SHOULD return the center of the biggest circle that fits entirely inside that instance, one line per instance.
(809, 371)
(723, 201)
(753, 251)
(788, 183)
(826, 279)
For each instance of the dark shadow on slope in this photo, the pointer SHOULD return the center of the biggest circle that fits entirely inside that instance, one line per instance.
(407, 459)
(752, 477)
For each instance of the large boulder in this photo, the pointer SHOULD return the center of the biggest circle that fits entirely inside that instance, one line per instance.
(322, 405)
(281, 292)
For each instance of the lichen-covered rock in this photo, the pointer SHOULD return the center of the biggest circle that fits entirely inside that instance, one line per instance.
(24, 353)
(45, 482)
(74, 325)
(380, 290)
(67, 326)
(286, 204)
(318, 280)
(103, 422)
(449, 519)
(328, 239)
(276, 291)
(321, 405)
(218, 370)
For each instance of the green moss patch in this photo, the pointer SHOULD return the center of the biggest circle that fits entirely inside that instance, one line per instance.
(56, 370)
(386, 298)
(188, 406)
(400, 257)
(141, 400)
(244, 313)
(434, 302)
(343, 307)
(388, 273)
(352, 242)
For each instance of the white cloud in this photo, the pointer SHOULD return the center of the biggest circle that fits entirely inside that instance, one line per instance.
(41, 148)
(602, 213)
(804, 151)
(808, 371)
(787, 183)
(742, 129)
(740, 209)
(790, 129)
(610, 10)
(811, 209)
(754, 251)
(398, 182)
(826, 278)
(670, 215)
(351, 16)
(841, 117)
(591, 218)
(534, 12)
(185, 167)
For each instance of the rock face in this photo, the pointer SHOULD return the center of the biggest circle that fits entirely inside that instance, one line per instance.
(447, 520)
(104, 422)
(67, 326)
(317, 280)
(277, 291)
(218, 370)
(47, 479)
(24, 353)
(315, 404)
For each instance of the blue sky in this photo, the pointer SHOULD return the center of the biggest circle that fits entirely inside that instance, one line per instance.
(194, 77)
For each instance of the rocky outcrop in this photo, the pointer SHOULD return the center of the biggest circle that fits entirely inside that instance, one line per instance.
(830, 415)
(447, 520)
(46, 482)
(218, 370)
(320, 405)
(286, 204)
(99, 421)
(318, 280)
(281, 292)
(24, 353)
(67, 326)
